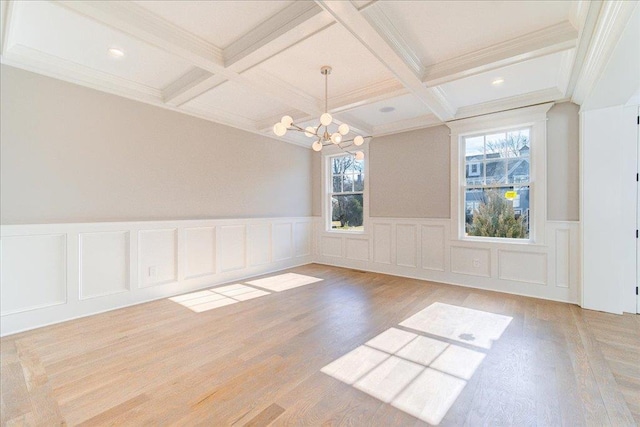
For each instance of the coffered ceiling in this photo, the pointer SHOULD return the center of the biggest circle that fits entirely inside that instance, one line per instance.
(397, 65)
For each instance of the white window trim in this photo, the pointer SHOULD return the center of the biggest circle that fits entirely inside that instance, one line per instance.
(534, 117)
(328, 153)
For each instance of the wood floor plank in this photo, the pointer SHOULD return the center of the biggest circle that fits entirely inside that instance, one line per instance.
(266, 416)
(259, 362)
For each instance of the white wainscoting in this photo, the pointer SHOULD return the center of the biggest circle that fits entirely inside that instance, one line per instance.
(55, 272)
(423, 249)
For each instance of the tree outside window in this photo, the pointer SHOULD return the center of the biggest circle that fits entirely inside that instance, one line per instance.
(497, 184)
(347, 193)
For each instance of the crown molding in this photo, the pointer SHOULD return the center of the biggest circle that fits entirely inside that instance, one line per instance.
(369, 36)
(499, 119)
(407, 125)
(43, 63)
(510, 103)
(381, 22)
(221, 116)
(543, 42)
(613, 17)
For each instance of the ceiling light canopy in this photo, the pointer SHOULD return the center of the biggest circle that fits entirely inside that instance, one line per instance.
(327, 132)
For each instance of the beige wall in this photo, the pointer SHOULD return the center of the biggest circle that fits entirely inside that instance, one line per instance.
(563, 163)
(72, 154)
(409, 173)
(316, 171)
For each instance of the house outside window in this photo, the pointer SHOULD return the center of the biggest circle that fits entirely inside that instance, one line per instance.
(497, 182)
(346, 193)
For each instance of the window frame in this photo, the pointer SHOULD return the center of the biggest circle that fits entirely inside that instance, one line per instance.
(327, 193)
(482, 171)
(535, 118)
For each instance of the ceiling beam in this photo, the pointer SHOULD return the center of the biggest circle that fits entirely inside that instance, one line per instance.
(383, 25)
(136, 21)
(276, 26)
(188, 86)
(587, 29)
(346, 14)
(557, 38)
(294, 24)
(7, 12)
(612, 19)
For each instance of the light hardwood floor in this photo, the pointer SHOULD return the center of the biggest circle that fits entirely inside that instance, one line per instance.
(259, 362)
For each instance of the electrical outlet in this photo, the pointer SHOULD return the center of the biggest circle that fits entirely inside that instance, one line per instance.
(476, 263)
(153, 271)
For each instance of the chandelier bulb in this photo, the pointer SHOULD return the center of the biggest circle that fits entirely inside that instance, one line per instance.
(359, 155)
(343, 129)
(310, 131)
(279, 129)
(286, 121)
(358, 140)
(317, 146)
(326, 119)
(336, 138)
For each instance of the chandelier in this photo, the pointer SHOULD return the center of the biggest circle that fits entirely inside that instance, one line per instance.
(323, 133)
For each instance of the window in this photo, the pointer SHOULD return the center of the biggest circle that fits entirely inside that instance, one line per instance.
(497, 184)
(503, 199)
(346, 193)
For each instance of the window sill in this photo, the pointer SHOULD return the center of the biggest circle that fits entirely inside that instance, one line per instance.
(499, 241)
(357, 233)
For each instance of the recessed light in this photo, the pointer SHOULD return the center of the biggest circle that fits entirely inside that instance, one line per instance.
(498, 81)
(114, 52)
(387, 109)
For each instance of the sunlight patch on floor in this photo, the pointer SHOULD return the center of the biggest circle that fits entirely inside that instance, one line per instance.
(282, 282)
(474, 327)
(218, 297)
(422, 376)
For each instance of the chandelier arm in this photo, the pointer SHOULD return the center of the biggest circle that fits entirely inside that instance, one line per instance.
(296, 127)
(351, 140)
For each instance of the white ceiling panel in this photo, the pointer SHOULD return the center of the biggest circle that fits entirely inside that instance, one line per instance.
(381, 52)
(54, 30)
(240, 101)
(403, 107)
(440, 30)
(524, 77)
(218, 22)
(354, 67)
